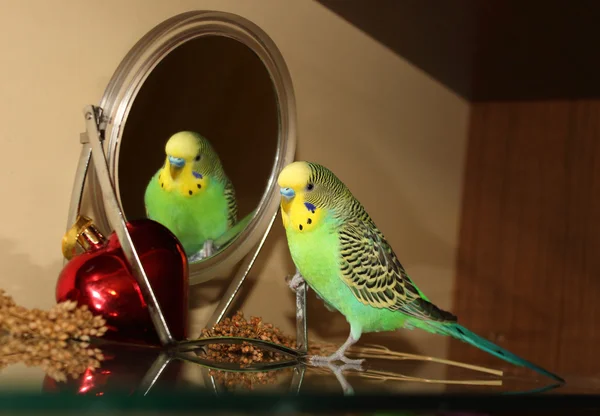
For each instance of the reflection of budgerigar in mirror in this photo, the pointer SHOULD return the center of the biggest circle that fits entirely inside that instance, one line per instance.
(191, 195)
(340, 253)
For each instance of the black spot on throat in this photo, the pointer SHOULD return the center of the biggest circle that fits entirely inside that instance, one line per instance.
(190, 192)
(300, 227)
(199, 186)
(309, 221)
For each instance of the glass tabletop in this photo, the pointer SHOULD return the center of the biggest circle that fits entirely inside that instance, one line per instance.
(152, 380)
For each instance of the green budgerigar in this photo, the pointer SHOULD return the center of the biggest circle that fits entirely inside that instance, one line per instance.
(342, 255)
(191, 195)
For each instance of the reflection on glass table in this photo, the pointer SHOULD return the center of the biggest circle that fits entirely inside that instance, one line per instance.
(181, 380)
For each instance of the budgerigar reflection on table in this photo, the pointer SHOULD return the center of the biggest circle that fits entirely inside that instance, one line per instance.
(342, 255)
(191, 195)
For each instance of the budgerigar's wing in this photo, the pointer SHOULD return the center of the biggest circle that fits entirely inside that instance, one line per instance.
(231, 204)
(372, 271)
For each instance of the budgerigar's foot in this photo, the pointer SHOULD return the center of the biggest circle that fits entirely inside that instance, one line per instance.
(207, 250)
(326, 361)
(338, 370)
(196, 257)
(296, 281)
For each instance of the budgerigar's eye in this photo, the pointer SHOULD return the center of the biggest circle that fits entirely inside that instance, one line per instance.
(310, 187)
(197, 158)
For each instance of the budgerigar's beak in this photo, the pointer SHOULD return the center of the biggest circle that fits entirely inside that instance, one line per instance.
(176, 163)
(287, 193)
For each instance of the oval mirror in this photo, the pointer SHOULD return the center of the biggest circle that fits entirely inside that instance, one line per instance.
(199, 119)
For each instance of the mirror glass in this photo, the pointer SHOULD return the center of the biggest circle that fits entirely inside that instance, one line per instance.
(199, 143)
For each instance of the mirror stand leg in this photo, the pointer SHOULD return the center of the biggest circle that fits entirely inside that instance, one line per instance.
(297, 379)
(235, 285)
(117, 221)
(83, 165)
(154, 373)
(209, 381)
(301, 324)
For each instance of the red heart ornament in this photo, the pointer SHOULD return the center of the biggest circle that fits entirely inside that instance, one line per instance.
(101, 279)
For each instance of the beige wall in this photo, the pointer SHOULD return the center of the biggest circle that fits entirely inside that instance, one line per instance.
(393, 134)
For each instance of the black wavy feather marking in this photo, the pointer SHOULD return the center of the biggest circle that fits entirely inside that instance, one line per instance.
(368, 264)
(231, 204)
(210, 165)
(372, 271)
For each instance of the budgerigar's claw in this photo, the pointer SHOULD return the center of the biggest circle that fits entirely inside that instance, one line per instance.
(320, 361)
(338, 370)
(339, 355)
(296, 281)
(196, 257)
(207, 250)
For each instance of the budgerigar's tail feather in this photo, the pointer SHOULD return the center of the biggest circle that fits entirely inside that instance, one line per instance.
(460, 332)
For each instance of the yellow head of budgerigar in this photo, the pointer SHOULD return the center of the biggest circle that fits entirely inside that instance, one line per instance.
(181, 169)
(294, 176)
(299, 208)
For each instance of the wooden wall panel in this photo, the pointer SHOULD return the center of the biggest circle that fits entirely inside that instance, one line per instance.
(528, 270)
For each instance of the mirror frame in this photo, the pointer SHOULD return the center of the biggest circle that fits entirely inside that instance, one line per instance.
(129, 78)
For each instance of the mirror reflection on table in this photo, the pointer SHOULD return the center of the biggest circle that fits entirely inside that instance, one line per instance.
(199, 143)
(133, 369)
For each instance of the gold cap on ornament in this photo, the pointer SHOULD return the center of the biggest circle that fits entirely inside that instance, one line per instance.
(84, 233)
